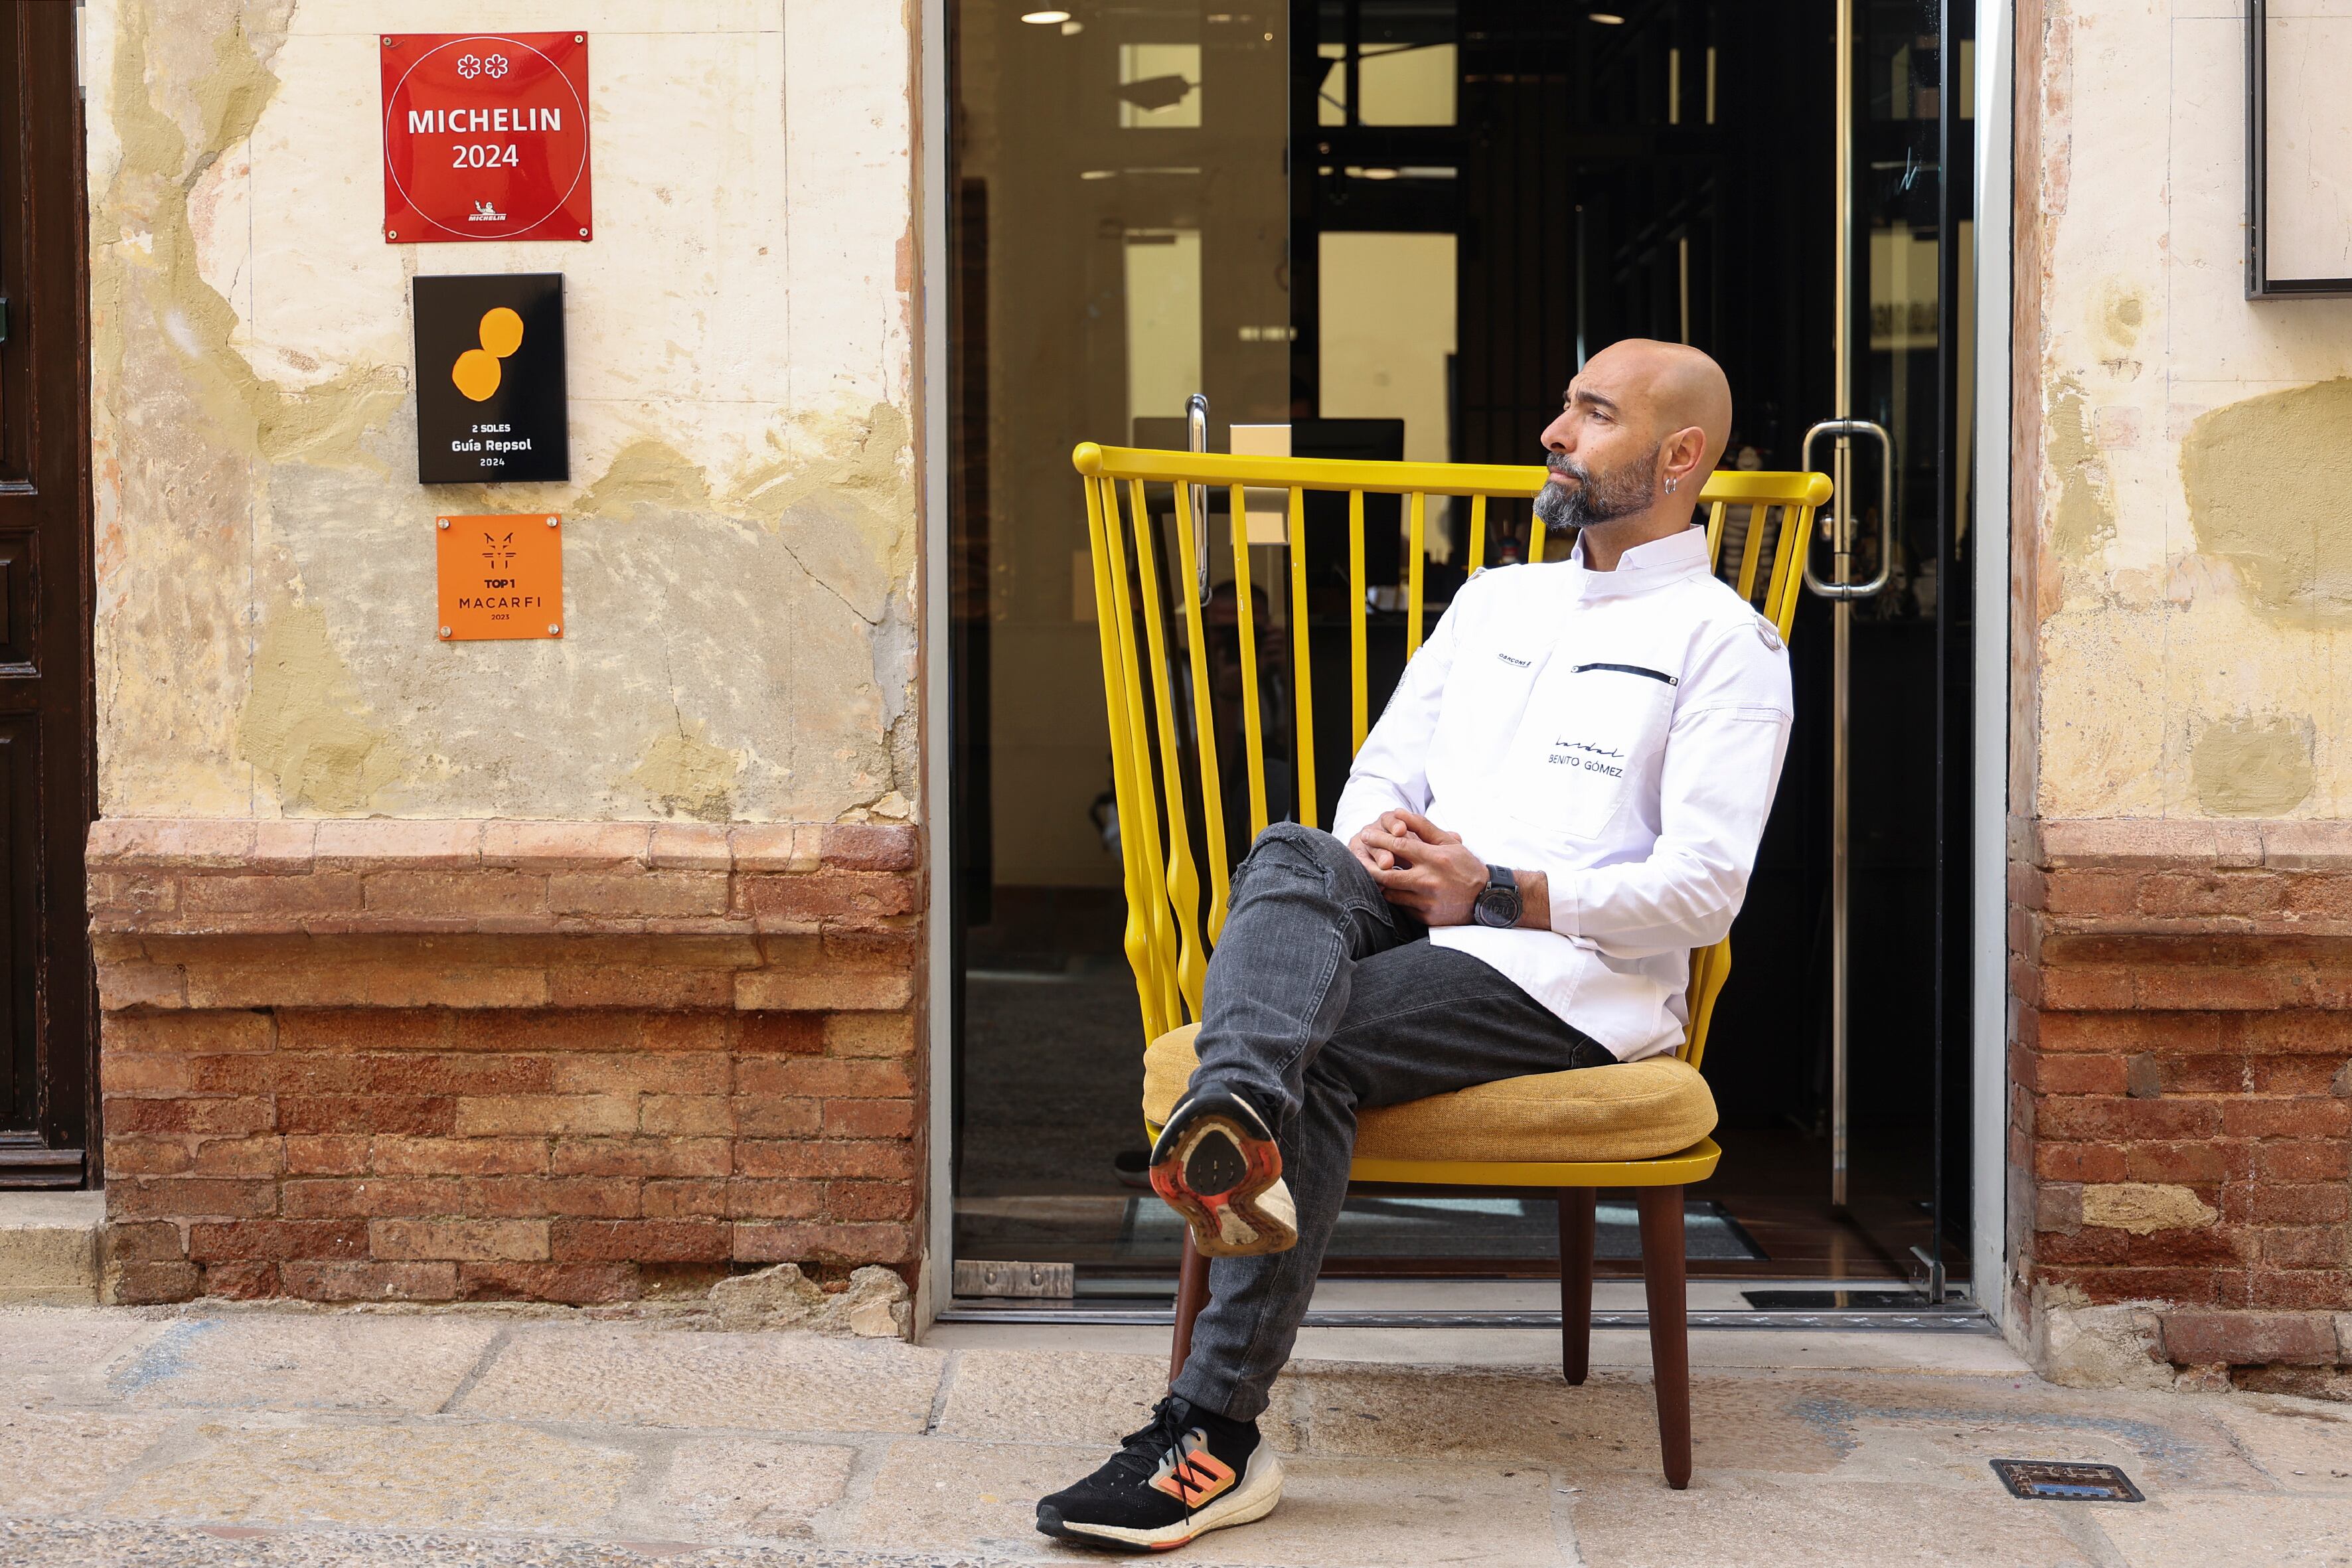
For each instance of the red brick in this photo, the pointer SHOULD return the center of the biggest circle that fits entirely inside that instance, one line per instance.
(869, 1034)
(2203, 1162)
(219, 1114)
(2248, 1339)
(149, 1284)
(596, 1197)
(364, 1029)
(326, 1155)
(2080, 1247)
(197, 1032)
(278, 1240)
(784, 1034)
(245, 1281)
(545, 1113)
(148, 1156)
(291, 897)
(871, 847)
(2294, 1075)
(2322, 1289)
(396, 1156)
(875, 1159)
(2221, 1245)
(2307, 1246)
(2072, 1074)
(2073, 893)
(774, 1116)
(2103, 1285)
(131, 898)
(477, 894)
(824, 1077)
(191, 1198)
(146, 1241)
(370, 1281)
(640, 1072)
(2081, 1162)
(560, 1030)
(2092, 1117)
(466, 1241)
(749, 1198)
(2294, 1032)
(2316, 1202)
(2314, 1116)
(676, 1115)
(824, 990)
(870, 1200)
(415, 1114)
(639, 985)
(262, 1156)
(371, 1196)
(665, 1033)
(576, 1284)
(639, 1241)
(869, 1119)
(566, 846)
(121, 1072)
(457, 1072)
(2085, 990)
(2315, 1161)
(801, 1242)
(642, 1157)
(700, 1197)
(639, 894)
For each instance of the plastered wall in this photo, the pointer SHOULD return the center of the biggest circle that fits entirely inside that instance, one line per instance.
(742, 530)
(2192, 598)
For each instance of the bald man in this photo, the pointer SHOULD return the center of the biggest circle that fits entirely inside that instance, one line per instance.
(1562, 798)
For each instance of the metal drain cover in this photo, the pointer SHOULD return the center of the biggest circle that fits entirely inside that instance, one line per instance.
(2051, 1481)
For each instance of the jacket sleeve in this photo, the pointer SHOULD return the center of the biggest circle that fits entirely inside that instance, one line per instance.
(1392, 770)
(1722, 764)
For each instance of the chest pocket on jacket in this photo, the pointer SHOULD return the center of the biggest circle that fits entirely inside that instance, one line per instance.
(1583, 743)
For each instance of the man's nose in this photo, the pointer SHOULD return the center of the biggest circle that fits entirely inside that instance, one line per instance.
(1555, 435)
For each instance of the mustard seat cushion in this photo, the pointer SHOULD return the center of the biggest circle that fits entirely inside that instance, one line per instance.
(1633, 1111)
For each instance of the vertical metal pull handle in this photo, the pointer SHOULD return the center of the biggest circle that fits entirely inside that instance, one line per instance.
(1196, 435)
(1842, 513)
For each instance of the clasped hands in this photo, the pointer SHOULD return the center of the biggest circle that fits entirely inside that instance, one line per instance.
(1420, 867)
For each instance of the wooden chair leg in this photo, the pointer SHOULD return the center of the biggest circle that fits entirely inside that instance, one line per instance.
(1576, 1234)
(1663, 1282)
(1191, 1295)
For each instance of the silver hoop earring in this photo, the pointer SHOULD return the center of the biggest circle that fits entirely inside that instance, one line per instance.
(1670, 487)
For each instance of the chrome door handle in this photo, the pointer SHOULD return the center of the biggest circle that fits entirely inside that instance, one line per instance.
(1842, 517)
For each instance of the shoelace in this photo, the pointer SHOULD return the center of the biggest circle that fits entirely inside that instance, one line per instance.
(1141, 1451)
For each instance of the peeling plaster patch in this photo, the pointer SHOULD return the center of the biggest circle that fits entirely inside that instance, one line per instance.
(2143, 1207)
(2247, 766)
(2265, 479)
(2118, 315)
(302, 722)
(2084, 520)
(645, 473)
(684, 775)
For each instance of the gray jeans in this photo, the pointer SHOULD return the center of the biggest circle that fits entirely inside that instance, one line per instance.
(1323, 999)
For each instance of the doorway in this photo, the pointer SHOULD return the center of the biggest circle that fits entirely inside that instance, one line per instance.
(1395, 228)
(49, 1081)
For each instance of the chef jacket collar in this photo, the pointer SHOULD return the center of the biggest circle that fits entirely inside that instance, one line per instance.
(1644, 567)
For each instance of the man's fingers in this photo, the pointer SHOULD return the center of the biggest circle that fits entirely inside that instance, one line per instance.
(1427, 830)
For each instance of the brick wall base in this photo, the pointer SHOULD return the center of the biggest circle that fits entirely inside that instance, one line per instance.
(2180, 1131)
(437, 1061)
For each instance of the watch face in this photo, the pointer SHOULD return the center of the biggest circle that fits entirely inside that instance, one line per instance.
(1498, 905)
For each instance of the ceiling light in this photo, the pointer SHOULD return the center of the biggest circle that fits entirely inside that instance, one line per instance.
(1606, 18)
(1070, 29)
(1097, 173)
(1380, 174)
(1045, 18)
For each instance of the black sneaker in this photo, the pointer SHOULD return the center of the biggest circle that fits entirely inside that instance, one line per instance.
(1216, 1163)
(1190, 1471)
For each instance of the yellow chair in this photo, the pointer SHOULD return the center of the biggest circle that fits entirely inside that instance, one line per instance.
(1643, 1125)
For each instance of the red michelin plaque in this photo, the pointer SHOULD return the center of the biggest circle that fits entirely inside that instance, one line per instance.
(486, 136)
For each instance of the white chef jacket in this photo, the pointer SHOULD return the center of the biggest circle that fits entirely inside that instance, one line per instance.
(1620, 731)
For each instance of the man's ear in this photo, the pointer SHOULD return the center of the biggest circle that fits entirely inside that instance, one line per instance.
(1684, 450)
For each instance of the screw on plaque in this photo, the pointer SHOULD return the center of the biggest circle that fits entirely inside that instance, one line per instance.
(555, 631)
(442, 520)
(445, 631)
(552, 522)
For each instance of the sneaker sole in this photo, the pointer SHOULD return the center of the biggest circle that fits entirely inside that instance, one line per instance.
(1260, 1490)
(1238, 1220)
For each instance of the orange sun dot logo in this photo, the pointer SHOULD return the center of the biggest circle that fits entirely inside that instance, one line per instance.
(477, 371)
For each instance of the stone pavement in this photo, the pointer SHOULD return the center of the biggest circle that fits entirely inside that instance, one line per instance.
(273, 1437)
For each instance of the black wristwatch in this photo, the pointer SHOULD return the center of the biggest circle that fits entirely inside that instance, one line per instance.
(1498, 902)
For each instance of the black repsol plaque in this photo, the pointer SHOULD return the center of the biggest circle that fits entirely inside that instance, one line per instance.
(490, 379)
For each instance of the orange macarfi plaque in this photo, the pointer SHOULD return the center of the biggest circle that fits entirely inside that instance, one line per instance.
(501, 576)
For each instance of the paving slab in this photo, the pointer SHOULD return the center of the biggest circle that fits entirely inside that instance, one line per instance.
(1724, 1521)
(776, 1382)
(2303, 1447)
(58, 1461)
(48, 1247)
(69, 1339)
(1091, 1399)
(304, 1362)
(934, 1494)
(2274, 1531)
(726, 1486)
(265, 1470)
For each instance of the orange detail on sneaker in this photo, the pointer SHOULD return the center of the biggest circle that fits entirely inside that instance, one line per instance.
(1195, 1479)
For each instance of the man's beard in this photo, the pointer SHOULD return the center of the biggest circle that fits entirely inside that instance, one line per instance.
(1595, 498)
